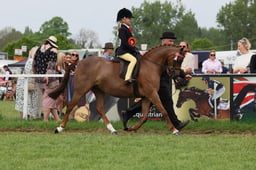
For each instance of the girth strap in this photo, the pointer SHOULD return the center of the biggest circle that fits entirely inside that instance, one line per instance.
(136, 90)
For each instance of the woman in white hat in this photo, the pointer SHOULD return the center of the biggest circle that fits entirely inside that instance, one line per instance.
(46, 53)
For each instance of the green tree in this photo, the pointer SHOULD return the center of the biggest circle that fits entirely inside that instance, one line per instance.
(187, 28)
(28, 32)
(64, 43)
(202, 44)
(7, 35)
(55, 26)
(24, 41)
(217, 36)
(237, 19)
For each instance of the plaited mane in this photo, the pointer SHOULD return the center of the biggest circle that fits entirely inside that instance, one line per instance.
(159, 46)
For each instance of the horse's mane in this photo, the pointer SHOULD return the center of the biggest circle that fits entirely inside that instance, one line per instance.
(159, 46)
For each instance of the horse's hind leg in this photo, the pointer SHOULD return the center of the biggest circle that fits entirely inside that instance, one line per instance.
(145, 110)
(78, 93)
(100, 109)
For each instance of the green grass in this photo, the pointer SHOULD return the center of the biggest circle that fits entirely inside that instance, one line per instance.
(153, 147)
(10, 119)
(134, 151)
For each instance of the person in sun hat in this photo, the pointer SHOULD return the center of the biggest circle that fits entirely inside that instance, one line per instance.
(53, 41)
(127, 49)
(47, 52)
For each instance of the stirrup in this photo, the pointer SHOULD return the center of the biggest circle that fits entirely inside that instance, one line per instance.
(130, 81)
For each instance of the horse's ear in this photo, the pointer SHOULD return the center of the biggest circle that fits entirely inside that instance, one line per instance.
(182, 50)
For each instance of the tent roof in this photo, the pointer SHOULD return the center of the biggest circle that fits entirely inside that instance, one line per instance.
(18, 64)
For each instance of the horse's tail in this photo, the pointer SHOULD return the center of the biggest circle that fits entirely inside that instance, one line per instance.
(55, 94)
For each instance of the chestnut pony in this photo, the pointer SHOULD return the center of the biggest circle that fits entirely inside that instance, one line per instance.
(102, 76)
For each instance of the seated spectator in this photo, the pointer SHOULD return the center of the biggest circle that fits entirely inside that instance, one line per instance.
(225, 70)
(212, 65)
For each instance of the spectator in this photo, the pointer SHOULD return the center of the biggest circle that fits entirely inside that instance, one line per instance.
(60, 101)
(108, 51)
(33, 107)
(242, 62)
(188, 63)
(7, 73)
(212, 65)
(46, 52)
(225, 70)
(165, 92)
(74, 57)
(51, 84)
(2, 82)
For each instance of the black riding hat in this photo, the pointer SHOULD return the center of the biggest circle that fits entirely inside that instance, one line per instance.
(124, 13)
(168, 35)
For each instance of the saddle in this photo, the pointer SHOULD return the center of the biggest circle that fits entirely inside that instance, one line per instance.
(124, 64)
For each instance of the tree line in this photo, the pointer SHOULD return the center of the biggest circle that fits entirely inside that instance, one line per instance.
(234, 21)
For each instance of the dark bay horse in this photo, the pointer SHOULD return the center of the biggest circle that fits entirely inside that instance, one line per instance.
(201, 99)
(102, 76)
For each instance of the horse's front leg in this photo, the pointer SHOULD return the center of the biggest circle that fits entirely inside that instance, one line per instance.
(145, 109)
(100, 109)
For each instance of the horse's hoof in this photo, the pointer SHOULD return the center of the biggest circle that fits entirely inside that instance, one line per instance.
(126, 129)
(114, 133)
(176, 133)
(58, 130)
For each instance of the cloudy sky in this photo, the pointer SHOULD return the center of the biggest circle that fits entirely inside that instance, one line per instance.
(96, 15)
